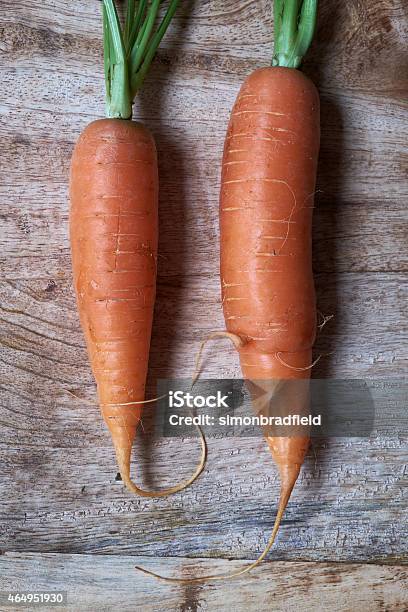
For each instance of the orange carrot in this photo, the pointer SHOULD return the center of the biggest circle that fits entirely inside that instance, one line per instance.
(114, 232)
(267, 190)
(268, 184)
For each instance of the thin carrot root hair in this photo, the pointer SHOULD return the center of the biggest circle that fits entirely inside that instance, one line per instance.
(287, 365)
(123, 458)
(236, 340)
(325, 319)
(284, 498)
(124, 469)
(149, 401)
(285, 494)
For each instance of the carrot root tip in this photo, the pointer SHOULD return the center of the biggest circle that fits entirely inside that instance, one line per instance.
(123, 460)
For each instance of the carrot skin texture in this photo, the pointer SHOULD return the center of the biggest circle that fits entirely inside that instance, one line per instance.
(266, 203)
(114, 235)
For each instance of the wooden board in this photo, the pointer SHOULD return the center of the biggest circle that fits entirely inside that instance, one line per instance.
(107, 583)
(349, 504)
(57, 471)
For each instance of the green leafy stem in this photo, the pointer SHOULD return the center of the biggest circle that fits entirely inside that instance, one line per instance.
(295, 22)
(128, 52)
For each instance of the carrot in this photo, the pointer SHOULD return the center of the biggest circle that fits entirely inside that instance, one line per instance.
(114, 231)
(267, 188)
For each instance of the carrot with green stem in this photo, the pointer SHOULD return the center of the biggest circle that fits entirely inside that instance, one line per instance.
(267, 189)
(114, 230)
(268, 184)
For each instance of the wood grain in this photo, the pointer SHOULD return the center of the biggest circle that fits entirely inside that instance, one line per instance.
(107, 583)
(349, 504)
(58, 488)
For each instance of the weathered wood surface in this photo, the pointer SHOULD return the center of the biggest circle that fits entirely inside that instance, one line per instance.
(57, 468)
(108, 583)
(349, 504)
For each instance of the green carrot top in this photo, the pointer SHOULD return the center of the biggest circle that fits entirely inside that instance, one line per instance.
(294, 22)
(128, 52)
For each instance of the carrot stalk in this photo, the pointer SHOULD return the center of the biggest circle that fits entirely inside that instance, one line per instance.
(294, 24)
(138, 77)
(130, 19)
(118, 99)
(138, 50)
